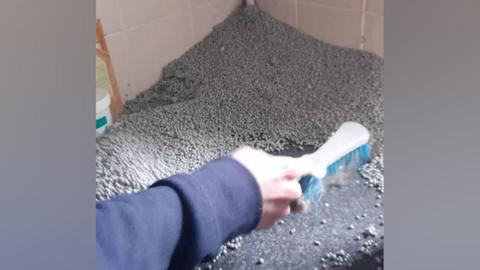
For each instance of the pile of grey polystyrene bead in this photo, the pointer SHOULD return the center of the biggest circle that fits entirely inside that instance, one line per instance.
(269, 86)
(336, 259)
(373, 173)
(251, 81)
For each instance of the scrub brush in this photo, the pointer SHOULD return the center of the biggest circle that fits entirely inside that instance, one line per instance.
(346, 150)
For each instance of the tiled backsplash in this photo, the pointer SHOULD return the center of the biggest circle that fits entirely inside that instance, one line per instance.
(349, 23)
(144, 35)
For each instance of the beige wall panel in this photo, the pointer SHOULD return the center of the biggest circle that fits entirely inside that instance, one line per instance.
(282, 10)
(352, 4)
(337, 26)
(374, 33)
(375, 6)
(109, 12)
(117, 45)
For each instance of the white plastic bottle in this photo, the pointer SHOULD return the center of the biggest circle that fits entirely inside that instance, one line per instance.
(103, 115)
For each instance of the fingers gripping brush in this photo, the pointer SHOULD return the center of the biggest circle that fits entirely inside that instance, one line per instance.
(346, 150)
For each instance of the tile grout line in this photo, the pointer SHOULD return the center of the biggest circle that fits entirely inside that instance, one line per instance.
(192, 26)
(362, 25)
(127, 49)
(331, 6)
(296, 14)
(134, 27)
(120, 15)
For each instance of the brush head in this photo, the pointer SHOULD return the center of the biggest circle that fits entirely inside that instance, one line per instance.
(314, 187)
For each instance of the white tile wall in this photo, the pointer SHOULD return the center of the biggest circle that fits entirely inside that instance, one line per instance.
(349, 23)
(338, 26)
(145, 35)
(283, 10)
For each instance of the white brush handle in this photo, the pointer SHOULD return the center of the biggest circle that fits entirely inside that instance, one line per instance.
(348, 137)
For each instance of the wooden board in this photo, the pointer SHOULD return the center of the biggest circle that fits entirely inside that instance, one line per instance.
(116, 105)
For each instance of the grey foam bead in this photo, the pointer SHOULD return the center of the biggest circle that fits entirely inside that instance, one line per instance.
(370, 231)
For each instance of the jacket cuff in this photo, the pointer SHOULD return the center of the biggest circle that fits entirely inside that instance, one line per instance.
(221, 201)
(233, 195)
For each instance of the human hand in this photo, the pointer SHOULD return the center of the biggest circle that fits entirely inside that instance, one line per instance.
(277, 177)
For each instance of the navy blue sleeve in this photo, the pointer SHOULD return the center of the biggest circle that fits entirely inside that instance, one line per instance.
(179, 221)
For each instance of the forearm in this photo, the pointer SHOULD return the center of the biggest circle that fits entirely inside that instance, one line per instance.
(178, 221)
(220, 201)
(138, 231)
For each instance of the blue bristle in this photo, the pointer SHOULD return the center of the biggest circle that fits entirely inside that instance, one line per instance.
(312, 187)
